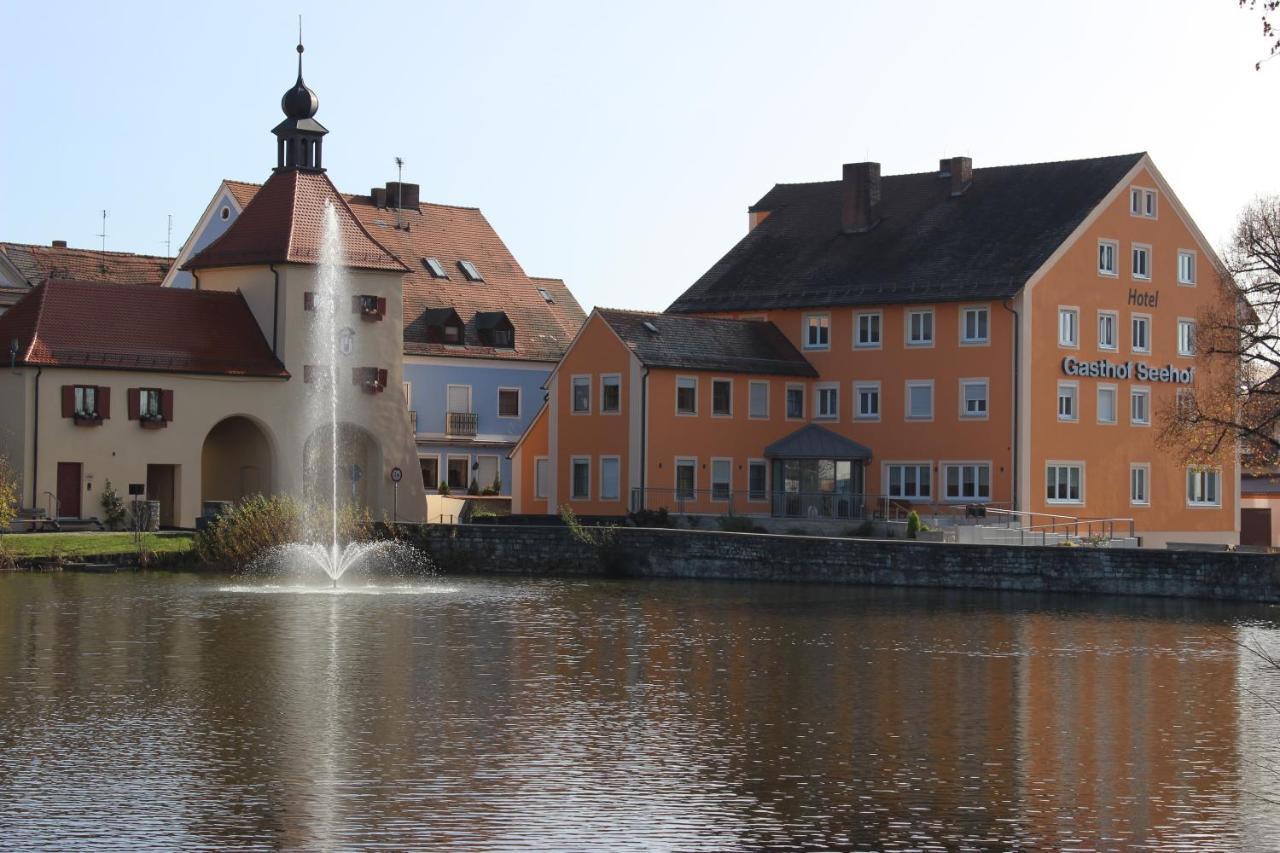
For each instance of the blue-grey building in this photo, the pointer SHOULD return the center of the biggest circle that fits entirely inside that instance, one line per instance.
(480, 336)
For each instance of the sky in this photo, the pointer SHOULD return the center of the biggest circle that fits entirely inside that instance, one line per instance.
(614, 145)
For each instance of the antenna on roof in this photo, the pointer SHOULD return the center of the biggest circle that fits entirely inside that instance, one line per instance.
(103, 235)
(399, 189)
(168, 238)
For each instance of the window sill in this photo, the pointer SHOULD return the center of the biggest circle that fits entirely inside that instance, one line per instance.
(980, 343)
(868, 346)
(87, 420)
(153, 423)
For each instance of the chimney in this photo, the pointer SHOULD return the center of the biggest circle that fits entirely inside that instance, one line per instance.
(960, 170)
(402, 195)
(59, 244)
(860, 193)
(379, 196)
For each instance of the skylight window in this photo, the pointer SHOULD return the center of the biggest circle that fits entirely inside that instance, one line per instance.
(470, 271)
(542, 291)
(651, 327)
(433, 266)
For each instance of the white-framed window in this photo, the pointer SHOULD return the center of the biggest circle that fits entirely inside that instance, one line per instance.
(610, 394)
(722, 398)
(919, 400)
(1186, 337)
(1064, 482)
(920, 327)
(1068, 326)
(488, 471)
(1108, 336)
(1140, 406)
(1139, 484)
(686, 478)
(758, 404)
(541, 478)
(975, 325)
(757, 480)
(795, 402)
(429, 464)
(581, 395)
(1068, 402)
(1140, 333)
(509, 402)
(721, 478)
(966, 481)
(610, 478)
(580, 478)
(973, 399)
(686, 395)
(867, 325)
(817, 331)
(1142, 202)
(1186, 267)
(1107, 404)
(866, 396)
(1140, 258)
(908, 479)
(826, 401)
(1108, 250)
(1204, 487)
(457, 399)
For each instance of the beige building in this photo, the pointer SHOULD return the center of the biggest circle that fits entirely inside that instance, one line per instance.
(207, 394)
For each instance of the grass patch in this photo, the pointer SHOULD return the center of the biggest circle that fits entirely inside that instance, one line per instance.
(21, 545)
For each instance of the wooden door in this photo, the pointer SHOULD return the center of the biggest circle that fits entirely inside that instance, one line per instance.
(1255, 526)
(68, 490)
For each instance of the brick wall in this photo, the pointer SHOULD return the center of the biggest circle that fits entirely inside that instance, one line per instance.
(491, 549)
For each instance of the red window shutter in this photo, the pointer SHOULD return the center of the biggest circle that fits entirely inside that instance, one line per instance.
(104, 402)
(382, 307)
(68, 401)
(166, 405)
(134, 396)
(308, 301)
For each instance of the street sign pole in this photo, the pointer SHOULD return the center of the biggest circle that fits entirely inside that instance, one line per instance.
(396, 476)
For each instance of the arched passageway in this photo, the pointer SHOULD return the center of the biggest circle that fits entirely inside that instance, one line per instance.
(359, 465)
(235, 462)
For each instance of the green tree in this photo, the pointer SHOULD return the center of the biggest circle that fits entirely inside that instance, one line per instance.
(8, 493)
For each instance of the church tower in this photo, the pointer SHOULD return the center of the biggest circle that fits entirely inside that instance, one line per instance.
(299, 138)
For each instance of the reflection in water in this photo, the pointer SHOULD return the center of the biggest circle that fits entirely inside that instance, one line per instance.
(164, 711)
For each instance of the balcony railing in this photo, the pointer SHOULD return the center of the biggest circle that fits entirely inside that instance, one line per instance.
(848, 506)
(413, 421)
(461, 423)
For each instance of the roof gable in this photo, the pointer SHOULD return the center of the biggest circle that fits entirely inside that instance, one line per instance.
(928, 246)
(41, 263)
(284, 223)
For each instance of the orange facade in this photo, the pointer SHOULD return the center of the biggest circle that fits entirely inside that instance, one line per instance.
(948, 411)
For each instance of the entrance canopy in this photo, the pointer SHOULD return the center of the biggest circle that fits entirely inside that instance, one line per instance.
(816, 442)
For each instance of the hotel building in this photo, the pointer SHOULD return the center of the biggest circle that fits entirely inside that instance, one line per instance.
(1008, 337)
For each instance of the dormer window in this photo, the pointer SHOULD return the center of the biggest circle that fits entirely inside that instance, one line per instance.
(542, 291)
(470, 271)
(441, 326)
(495, 330)
(434, 267)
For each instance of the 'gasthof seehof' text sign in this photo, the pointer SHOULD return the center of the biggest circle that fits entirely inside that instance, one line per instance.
(1102, 368)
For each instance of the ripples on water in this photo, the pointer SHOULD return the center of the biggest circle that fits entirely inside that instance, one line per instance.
(164, 712)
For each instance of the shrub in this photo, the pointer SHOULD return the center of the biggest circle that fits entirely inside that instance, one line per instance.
(914, 524)
(258, 524)
(731, 523)
(443, 488)
(113, 508)
(8, 493)
(474, 488)
(651, 518)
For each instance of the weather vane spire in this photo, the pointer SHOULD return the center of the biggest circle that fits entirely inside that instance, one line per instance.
(300, 47)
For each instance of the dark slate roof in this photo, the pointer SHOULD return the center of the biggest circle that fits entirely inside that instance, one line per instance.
(702, 343)
(816, 442)
(928, 247)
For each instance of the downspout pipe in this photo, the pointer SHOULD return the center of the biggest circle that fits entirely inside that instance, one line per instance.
(1017, 392)
(275, 312)
(644, 426)
(195, 276)
(35, 445)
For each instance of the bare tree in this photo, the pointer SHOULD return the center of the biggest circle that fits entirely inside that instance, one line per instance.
(1237, 390)
(1267, 10)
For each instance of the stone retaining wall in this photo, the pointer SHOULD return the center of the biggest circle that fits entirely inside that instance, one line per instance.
(633, 552)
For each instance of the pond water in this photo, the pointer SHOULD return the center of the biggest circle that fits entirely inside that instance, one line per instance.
(180, 711)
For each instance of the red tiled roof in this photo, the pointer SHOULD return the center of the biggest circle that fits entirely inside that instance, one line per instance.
(284, 223)
(130, 327)
(40, 263)
(243, 192)
(451, 234)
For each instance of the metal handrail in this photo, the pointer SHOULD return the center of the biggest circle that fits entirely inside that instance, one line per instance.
(823, 504)
(54, 500)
